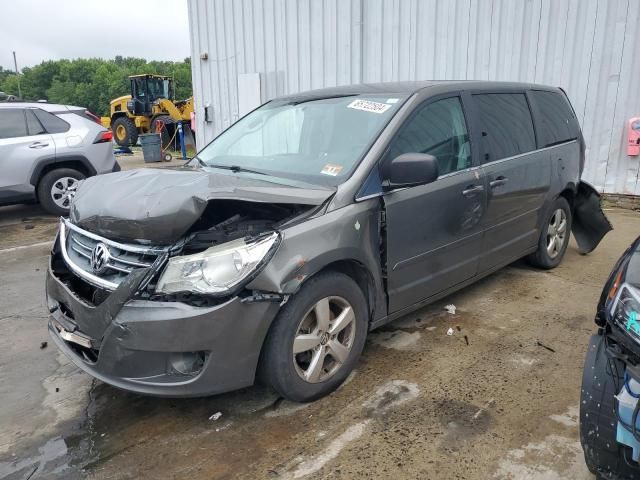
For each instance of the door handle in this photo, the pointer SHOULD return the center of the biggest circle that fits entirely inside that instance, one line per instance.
(471, 190)
(498, 182)
(38, 145)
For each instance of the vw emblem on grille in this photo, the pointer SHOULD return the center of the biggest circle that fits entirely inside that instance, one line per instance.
(99, 258)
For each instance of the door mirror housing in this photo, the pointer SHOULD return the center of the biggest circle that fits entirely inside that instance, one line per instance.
(410, 170)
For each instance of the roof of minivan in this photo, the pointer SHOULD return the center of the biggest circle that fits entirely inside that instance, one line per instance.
(49, 107)
(409, 88)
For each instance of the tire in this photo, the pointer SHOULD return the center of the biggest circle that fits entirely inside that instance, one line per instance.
(292, 374)
(53, 199)
(603, 378)
(167, 132)
(543, 257)
(124, 131)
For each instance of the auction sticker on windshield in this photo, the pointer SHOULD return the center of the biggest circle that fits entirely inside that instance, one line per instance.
(330, 169)
(369, 106)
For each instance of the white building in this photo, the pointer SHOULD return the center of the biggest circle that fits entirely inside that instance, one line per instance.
(245, 52)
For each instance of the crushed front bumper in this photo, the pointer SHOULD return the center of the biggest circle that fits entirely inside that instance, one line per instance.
(132, 343)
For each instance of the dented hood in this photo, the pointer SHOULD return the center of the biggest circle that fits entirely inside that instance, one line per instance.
(160, 205)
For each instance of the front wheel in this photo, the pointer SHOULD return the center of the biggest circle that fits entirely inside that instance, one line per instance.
(602, 380)
(554, 237)
(316, 339)
(124, 131)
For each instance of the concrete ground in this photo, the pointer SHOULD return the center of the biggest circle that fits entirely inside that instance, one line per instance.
(498, 399)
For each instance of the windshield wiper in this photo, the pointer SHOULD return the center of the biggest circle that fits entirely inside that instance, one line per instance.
(233, 168)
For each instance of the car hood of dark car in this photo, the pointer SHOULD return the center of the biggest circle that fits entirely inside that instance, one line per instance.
(160, 205)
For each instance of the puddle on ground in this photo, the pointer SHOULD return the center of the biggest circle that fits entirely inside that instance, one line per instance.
(47, 463)
(462, 421)
(96, 424)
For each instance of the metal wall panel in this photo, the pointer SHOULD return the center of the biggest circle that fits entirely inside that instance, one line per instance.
(591, 48)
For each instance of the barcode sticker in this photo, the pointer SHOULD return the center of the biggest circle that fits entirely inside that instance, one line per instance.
(369, 106)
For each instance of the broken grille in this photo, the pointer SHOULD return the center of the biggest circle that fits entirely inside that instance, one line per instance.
(100, 261)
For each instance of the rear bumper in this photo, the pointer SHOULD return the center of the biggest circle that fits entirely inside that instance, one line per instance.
(590, 224)
(140, 338)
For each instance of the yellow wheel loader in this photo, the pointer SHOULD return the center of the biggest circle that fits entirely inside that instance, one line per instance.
(148, 105)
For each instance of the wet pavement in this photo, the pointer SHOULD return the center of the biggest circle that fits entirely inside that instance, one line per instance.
(421, 404)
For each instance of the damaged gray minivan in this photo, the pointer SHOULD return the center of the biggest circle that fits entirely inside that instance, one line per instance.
(311, 221)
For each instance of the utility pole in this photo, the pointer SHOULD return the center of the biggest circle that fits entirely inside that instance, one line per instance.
(15, 64)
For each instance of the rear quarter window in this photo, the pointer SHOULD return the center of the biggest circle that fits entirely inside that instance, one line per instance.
(50, 122)
(555, 121)
(12, 123)
(33, 125)
(505, 124)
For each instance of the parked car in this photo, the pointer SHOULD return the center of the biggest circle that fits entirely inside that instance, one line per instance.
(609, 424)
(46, 149)
(311, 221)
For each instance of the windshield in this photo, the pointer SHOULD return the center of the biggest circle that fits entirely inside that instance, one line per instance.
(158, 88)
(318, 141)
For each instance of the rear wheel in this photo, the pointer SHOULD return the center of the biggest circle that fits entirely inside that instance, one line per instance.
(124, 131)
(316, 339)
(554, 237)
(602, 379)
(57, 189)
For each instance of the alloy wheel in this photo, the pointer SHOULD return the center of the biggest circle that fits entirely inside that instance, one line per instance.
(556, 232)
(324, 339)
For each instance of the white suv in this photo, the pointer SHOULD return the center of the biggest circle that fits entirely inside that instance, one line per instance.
(45, 149)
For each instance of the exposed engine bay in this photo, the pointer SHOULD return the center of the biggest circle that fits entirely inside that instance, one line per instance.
(227, 220)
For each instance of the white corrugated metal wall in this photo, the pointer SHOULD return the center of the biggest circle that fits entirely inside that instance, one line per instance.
(591, 48)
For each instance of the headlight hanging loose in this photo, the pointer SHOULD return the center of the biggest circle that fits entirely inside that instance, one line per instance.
(625, 310)
(218, 269)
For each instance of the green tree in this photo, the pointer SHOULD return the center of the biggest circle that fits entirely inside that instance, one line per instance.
(91, 82)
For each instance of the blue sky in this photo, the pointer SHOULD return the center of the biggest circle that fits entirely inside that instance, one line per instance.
(52, 29)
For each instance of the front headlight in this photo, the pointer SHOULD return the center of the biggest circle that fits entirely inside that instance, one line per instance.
(216, 270)
(625, 308)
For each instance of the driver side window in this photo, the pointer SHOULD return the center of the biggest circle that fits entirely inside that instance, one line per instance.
(439, 129)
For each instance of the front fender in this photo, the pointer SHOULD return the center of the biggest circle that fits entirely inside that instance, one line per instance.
(350, 233)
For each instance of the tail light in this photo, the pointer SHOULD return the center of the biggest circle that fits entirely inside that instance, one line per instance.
(92, 117)
(104, 136)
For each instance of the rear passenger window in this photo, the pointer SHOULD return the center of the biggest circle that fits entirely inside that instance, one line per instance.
(554, 118)
(12, 123)
(506, 125)
(50, 122)
(33, 125)
(439, 129)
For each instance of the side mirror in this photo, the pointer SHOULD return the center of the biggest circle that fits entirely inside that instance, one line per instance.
(411, 169)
